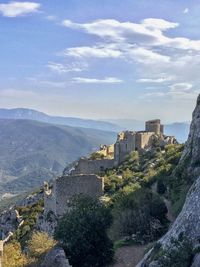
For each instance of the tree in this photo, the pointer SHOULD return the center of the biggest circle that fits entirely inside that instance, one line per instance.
(141, 213)
(82, 232)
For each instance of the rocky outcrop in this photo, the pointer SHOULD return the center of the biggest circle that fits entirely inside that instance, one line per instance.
(10, 219)
(188, 221)
(55, 257)
(196, 262)
(191, 155)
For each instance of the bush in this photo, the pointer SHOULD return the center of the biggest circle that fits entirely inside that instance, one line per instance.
(83, 233)
(141, 213)
(13, 256)
(39, 244)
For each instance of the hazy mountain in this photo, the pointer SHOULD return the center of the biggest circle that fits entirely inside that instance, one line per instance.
(129, 124)
(31, 152)
(179, 129)
(29, 114)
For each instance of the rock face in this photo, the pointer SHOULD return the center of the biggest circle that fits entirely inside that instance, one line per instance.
(55, 257)
(196, 262)
(188, 221)
(10, 220)
(191, 153)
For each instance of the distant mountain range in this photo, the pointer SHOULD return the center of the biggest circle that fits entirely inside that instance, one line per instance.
(179, 129)
(30, 114)
(31, 151)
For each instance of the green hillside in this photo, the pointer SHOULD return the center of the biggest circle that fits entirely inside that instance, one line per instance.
(31, 152)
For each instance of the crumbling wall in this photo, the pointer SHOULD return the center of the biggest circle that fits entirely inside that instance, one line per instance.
(144, 140)
(107, 151)
(65, 187)
(87, 166)
(125, 144)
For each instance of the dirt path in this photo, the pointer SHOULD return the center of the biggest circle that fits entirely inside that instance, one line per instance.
(129, 256)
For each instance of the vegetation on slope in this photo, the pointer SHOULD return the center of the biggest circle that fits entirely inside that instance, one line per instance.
(32, 152)
(83, 233)
(133, 209)
(137, 191)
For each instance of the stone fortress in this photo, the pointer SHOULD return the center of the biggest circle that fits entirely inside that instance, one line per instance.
(83, 177)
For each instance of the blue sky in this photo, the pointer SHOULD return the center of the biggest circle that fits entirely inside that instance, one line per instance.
(101, 59)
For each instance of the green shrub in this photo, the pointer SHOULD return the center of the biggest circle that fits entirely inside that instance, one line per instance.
(83, 233)
(141, 213)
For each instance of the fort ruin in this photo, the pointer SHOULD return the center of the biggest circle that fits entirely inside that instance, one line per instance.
(83, 177)
(65, 187)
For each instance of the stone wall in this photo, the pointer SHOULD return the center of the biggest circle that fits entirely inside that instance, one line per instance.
(87, 166)
(124, 146)
(65, 187)
(144, 140)
(154, 126)
(107, 151)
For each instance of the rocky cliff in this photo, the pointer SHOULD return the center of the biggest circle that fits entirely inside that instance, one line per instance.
(187, 223)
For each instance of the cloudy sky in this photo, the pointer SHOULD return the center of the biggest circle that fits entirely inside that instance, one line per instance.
(101, 59)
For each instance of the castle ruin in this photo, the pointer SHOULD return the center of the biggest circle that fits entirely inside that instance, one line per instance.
(65, 187)
(83, 177)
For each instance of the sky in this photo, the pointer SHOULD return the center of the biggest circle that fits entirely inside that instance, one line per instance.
(103, 59)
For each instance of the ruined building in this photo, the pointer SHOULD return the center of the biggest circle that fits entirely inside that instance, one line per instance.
(154, 126)
(65, 187)
(82, 178)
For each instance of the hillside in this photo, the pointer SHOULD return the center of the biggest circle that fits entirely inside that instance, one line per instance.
(180, 246)
(32, 152)
(30, 114)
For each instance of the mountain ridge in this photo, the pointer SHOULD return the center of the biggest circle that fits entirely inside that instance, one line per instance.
(33, 151)
(178, 129)
(31, 114)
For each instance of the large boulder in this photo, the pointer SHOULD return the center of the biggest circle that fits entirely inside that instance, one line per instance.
(55, 257)
(196, 262)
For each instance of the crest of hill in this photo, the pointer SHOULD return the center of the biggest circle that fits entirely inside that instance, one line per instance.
(30, 114)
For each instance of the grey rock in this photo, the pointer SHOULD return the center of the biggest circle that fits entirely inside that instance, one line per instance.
(154, 264)
(55, 257)
(191, 154)
(196, 262)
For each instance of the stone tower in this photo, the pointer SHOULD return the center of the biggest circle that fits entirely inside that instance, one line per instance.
(154, 126)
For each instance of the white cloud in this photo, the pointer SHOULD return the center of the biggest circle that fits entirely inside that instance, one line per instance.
(108, 80)
(147, 56)
(157, 80)
(15, 9)
(118, 50)
(186, 10)
(149, 32)
(100, 51)
(160, 24)
(180, 87)
(65, 68)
